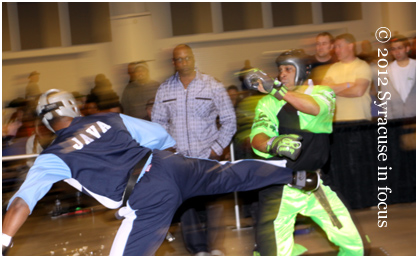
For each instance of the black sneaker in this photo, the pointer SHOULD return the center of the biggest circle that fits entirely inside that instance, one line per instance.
(306, 180)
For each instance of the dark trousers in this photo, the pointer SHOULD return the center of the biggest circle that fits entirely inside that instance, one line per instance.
(173, 179)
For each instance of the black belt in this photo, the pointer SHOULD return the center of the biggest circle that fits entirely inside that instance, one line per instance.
(133, 178)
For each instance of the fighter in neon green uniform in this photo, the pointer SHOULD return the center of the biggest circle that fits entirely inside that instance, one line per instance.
(300, 115)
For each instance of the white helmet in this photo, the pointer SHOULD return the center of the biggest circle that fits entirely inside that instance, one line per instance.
(62, 102)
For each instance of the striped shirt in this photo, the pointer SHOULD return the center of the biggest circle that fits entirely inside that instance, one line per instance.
(189, 115)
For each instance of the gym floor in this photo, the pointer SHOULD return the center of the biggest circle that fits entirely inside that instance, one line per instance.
(91, 232)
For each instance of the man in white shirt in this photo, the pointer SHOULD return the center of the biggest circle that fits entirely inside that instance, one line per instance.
(402, 83)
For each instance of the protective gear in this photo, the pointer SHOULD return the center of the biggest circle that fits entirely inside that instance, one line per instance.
(253, 75)
(61, 102)
(306, 180)
(299, 60)
(282, 90)
(287, 145)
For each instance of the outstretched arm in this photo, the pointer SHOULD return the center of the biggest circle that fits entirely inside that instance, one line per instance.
(47, 170)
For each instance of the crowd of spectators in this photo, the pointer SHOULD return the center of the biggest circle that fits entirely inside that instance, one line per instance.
(335, 63)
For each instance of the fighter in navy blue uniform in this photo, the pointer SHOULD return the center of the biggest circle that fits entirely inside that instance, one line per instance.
(101, 155)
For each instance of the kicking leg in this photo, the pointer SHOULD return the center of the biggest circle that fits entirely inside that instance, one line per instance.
(208, 177)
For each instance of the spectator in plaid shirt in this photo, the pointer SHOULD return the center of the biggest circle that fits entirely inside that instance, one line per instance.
(187, 105)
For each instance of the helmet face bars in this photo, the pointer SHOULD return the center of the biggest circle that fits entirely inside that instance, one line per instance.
(299, 60)
(56, 103)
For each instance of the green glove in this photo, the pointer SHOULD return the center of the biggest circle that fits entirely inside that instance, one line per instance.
(287, 145)
(282, 90)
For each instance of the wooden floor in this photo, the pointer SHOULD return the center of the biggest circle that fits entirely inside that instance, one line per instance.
(92, 233)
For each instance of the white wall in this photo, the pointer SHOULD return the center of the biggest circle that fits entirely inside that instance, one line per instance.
(219, 54)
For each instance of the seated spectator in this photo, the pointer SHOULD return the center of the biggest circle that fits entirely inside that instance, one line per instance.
(350, 78)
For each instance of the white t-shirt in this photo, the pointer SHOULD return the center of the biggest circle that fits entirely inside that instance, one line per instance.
(403, 78)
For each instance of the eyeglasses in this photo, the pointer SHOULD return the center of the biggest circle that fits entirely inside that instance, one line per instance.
(180, 59)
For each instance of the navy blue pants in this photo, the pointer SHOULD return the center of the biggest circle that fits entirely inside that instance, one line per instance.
(173, 179)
